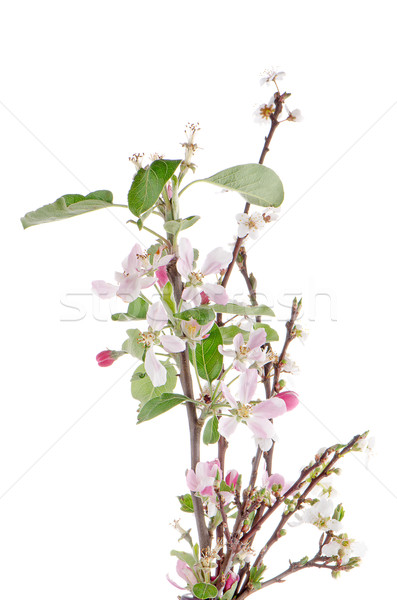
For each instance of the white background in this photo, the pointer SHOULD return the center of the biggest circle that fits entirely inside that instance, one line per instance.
(86, 496)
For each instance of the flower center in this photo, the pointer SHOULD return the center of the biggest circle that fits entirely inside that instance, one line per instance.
(243, 351)
(244, 411)
(196, 278)
(148, 338)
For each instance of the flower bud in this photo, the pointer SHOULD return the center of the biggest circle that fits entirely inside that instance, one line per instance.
(107, 357)
(231, 478)
(291, 399)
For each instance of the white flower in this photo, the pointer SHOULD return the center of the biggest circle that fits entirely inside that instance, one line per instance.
(295, 115)
(271, 214)
(319, 515)
(250, 224)
(289, 365)
(301, 334)
(270, 75)
(263, 112)
(344, 548)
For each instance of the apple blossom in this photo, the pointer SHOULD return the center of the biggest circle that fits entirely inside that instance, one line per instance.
(319, 514)
(255, 415)
(250, 225)
(216, 260)
(195, 332)
(250, 353)
(186, 573)
(343, 548)
(157, 319)
(139, 273)
(107, 357)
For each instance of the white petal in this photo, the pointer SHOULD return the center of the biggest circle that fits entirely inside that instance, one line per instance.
(172, 343)
(216, 260)
(227, 426)
(157, 316)
(155, 370)
(104, 290)
(184, 263)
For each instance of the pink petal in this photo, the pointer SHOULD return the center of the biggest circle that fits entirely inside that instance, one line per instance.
(216, 293)
(104, 290)
(189, 293)
(172, 343)
(155, 370)
(130, 288)
(184, 263)
(257, 338)
(162, 276)
(229, 353)
(238, 341)
(261, 428)
(216, 260)
(185, 572)
(291, 399)
(173, 583)
(157, 316)
(248, 383)
(192, 480)
(147, 282)
(226, 392)
(231, 478)
(269, 409)
(239, 366)
(227, 426)
(130, 264)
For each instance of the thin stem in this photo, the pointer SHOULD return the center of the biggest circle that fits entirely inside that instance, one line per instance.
(158, 235)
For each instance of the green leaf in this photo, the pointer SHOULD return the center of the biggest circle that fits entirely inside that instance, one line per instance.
(205, 590)
(148, 184)
(211, 433)
(157, 406)
(136, 311)
(142, 387)
(201, 314)
(69, 205)
(168, 297)
(185, 556)
(257, 184)
(229, 333)
(186, 503)
(178, 225)
(132, 346)
(238, 309)
(209, 359)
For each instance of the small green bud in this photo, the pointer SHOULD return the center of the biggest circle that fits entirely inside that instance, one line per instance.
(304, 560)
(282, 383)
(282, 532)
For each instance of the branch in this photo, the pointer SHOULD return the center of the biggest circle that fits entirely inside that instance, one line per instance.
(195, 425)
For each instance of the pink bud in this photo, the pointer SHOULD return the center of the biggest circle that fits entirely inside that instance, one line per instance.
(162, 276)
(169, 191)
(231, 579)
(231, 478)
(105, 358)
(291, 399)
(204, 298)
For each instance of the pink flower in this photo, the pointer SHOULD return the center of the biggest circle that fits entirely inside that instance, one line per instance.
(202, 479)
(230, 580)
(186, 573)
(250, 353)
(275, 479)
(194, 331)
(157, 318)
(256, 416)
(231, 478)
(216, 260)
(105, 358)
(162, 276)
(204, 298)
(291, 399)
(139, 273)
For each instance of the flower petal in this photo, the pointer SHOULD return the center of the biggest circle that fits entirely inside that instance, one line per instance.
(269, 409)
(216, 293)
(185, 261)
(216, 260)
(104, 290)
(172, 343)
(248, 383)
(227, 426)
(157, 316)
(155, 370)
(257, 338)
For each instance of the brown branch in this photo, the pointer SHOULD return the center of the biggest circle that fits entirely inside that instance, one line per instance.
(195, 425)
(279, 100)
